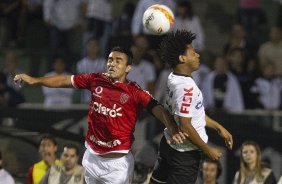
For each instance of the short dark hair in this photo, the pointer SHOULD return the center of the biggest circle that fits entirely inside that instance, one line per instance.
(216, 162)
(49, 137)
(0, 155)
(72, 146)
(126, 51)
(175, 44)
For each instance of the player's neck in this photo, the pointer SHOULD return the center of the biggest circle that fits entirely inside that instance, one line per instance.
(121, 80)
(183, 71)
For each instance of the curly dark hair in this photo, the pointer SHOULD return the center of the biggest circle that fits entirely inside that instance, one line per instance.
(173, 45)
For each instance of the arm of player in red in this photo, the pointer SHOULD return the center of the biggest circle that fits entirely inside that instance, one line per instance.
(163, 115)
(52, 82)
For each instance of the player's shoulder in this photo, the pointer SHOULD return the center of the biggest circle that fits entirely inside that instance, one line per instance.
(133, 86)
(92, 76)
(178, 80)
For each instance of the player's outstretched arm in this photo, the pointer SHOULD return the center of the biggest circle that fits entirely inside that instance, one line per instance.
(221, 131)
(187, 127)
(163, 115)
(52, 81)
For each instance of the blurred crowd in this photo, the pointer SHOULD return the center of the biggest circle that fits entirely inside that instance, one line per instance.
(245, 75)
(64, 167)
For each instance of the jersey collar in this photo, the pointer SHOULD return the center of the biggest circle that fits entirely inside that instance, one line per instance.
(179, 74)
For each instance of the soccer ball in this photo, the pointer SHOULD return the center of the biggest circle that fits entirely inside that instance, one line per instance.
(158, 19)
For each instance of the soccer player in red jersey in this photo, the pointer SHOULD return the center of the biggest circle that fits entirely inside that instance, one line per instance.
(113, 110)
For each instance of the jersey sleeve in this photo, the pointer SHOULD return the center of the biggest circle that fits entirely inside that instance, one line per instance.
(185, 96)
(143, 97)
(82, 81)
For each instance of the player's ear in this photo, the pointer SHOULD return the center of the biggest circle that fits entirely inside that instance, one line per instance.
(181, 58)
(128, 68)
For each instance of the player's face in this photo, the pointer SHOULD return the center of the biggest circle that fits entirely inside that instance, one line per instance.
(192, 58)
(117, 66)
(249, 154)
(69, 158)
(47, 149)
(209, 172)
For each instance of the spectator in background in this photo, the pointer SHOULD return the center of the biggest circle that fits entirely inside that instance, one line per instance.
(239, 39)
(58, 97)
(271, 51)
(251, 16)
(5, 177)
(221, 89)
(280, 180)
(161, 87)
(268, 87)
(98, 17)
(121, 30)
(142, 72)
(238, 65)
(252, 170)
(47, 150)
(210, 172)
(186, 20)
(92, 62)
(70, 172)
(236, 59)
(8, 96)
(11, 68)
(62, 17)
(122, 25)
(252, 72)
(9, 12)
(279, 22)
(200, 74)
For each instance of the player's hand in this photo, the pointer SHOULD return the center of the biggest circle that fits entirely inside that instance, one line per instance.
(226, 136)
(18, 79)
(177, 138)
(213, 153)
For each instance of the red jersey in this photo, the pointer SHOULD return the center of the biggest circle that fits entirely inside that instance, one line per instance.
(113, 111)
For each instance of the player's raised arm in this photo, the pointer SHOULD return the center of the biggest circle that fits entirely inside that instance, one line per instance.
(60, 81)
(221, 131)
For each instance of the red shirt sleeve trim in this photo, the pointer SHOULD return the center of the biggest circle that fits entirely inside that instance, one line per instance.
(29, 175)
(72, 82)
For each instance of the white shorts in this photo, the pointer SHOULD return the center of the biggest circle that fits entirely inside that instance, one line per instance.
(100, 170)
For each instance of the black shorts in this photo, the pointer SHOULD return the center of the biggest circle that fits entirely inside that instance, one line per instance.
(174, 167)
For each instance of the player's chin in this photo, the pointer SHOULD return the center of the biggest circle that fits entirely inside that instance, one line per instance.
(197, 67)
(111, 74)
